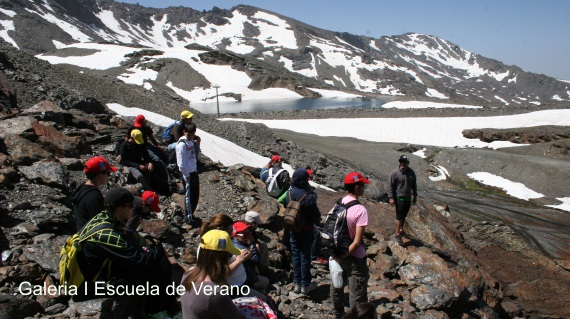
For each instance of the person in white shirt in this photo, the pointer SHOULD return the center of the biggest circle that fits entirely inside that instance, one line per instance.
(186, 159)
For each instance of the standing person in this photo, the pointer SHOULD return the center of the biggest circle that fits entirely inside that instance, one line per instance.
(188, 166)
(302, 241)
(275, 177)
(354, 267)
(87, 199)
(403, 192)
(211, 271)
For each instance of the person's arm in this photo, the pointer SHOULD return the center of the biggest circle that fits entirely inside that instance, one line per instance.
(245, 255)
(264, 174)
(150, 135)
(356, 242)
(283, 198)
(224, 307)
(414, 188)
(392, 188)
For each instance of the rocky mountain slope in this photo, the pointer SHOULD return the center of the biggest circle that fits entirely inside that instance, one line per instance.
(53, 118)
(267, 49)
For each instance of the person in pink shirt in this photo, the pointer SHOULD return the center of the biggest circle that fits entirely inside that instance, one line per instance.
(355, 271)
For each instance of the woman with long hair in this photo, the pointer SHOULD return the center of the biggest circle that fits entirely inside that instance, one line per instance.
(205, 296)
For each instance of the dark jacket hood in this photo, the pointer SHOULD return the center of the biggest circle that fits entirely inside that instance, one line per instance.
(300, 178)
(81, 191)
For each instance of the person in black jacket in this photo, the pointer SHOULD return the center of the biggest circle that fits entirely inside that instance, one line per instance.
(302, 241)
(152, 175)
(87, 199)
(112, 260)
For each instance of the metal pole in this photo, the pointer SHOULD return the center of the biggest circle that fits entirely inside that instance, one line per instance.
(217, 100)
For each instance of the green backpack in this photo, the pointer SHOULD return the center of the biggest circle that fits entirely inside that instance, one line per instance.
(69, 272)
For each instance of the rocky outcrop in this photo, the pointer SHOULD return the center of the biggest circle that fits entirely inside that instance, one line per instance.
(531, 135)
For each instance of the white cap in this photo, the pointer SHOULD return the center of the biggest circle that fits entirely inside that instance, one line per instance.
(252, 216)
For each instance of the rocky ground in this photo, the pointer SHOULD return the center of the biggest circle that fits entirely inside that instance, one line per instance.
(53, 119)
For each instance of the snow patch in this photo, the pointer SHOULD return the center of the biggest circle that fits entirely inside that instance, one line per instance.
(436, 94)
(421, 153)
(565, 204)
(514, 189)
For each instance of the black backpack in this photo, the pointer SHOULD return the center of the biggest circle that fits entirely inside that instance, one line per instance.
(277, 182)
(334, 234)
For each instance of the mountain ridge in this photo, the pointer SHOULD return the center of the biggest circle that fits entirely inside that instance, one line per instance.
(408, 66)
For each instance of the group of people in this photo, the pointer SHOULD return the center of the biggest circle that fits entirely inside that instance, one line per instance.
(304, 244)
(148, 164)
(229, 253)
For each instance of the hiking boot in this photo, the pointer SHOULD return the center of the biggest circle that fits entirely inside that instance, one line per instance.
(399, 241)
(306, 289)
(297, 289)
(320, 261)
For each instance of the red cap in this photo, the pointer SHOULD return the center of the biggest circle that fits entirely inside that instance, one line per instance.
(355, 177)
(139, 121)
(276, 158)
(239, 227)
(98, 164)
(152, 200)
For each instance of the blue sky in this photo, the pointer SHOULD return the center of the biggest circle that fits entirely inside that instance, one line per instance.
(534, 35)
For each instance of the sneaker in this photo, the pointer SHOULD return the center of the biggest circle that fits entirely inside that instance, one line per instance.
(306, 289)
(297, 289)
(399, 240)
(320, 261)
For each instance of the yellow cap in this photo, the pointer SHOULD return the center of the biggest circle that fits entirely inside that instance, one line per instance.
(186, 115)
(137, 136)
(218, 240)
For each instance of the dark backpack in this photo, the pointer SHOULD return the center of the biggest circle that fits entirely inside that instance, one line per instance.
(334, 234)
(294, 219)
(166, 133)
(278, 183)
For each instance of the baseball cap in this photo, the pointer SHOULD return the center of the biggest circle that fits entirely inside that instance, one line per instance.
(404, 158)
(218, 240)
(98, 164)
(239, 227)
(276, 158)
(118, 196)
(137, 136)
(186, 114)
(252, 217)
(151, 199)
(139, 121)
(355, 177)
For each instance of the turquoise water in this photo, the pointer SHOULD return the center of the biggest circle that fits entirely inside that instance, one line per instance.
(289, 104)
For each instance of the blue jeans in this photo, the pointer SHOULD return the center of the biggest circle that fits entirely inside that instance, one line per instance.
(301, 244)
(192, 195)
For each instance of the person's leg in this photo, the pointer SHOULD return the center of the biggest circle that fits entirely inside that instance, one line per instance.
(358, 281)
(261, 283)
(295, 258)
(337, 294)
(141, 178)
(187, 201)
(194, 191)
(316, 246)
(306, 245)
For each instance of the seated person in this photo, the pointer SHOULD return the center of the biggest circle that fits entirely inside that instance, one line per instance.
(152, 175)
(253, 220)
(153, 148)
(109, 257)
(211, 270)
(176, 132)
(243, 239)
(87, 198)
(142, 205)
